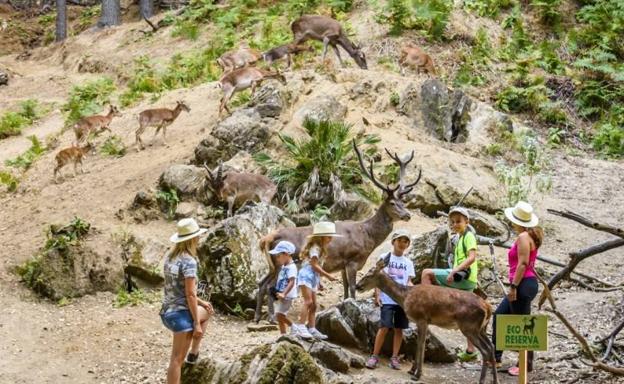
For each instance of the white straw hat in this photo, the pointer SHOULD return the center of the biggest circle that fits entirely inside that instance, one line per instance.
(522, 214)
(187, 229)
(324, 228)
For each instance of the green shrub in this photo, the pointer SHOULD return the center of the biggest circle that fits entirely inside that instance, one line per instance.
(113, 146)
(134, 298)
(494, 149)
(25, 160)
(187, 29)
(487, 8)
(397, 14)
(10, 181)
(609, 140)
(87, 99)
(431, 16)
(395, 99)
(548, 11)
(12, 123)
(476, 63)
(168, 201)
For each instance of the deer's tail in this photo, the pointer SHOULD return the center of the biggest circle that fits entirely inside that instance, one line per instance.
(265, 244)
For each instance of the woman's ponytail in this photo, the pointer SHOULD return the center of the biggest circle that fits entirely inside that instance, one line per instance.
(537, 234)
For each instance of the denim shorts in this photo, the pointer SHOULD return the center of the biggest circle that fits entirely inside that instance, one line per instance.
(178, 321)
(393, 316)
(309, 278)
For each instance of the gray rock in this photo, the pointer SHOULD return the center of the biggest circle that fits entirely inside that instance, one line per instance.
(424, 198)
(460, 116)
(261, 327)
(186, 180)
(185, 209)
(486, 224)
(4, 78)
(428, 250)
(484, 122)
(321, 108)
(409, 101)
(230, 258)
(143, 199)
(333, 357)
(445, 115)
(269, 100)
(351, 207)
(143, 258)
(336, 327)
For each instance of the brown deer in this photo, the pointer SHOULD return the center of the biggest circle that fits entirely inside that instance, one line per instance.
(330, 32)
(413, 56)
(285, 50)
(243, 78)
(445, 307)
(349, 253)
(237, 188)
(94, 124)
(73, 154)
(160, 118)
(239, 58)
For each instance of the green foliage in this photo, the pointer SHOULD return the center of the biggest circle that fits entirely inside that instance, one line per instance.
(609, 139)
(397, 14)
(25, 160)
(61, 238)
(168, 201)
(30, 271)
(241, 98)
(494, 149)
(320, 213)
(187, 29)
(12, 123)
(431, 16)
(10, 181)
(523, 99)
(87, 99)
(320, 159)
(395, 99)
(476, 63)
(487, 8)
(87, 18)
(556, 136)
(113, 146)
(548, 11)
(134, 298)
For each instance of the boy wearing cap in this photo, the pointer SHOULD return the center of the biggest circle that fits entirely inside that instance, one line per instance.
(286, 283)
(464, 273)
(401, 270)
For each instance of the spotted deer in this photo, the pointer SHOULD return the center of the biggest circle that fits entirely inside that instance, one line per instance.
(239, 58)
(94, 125)
(444, 307)
(348, 253)
(413, 56)
(328, 31)
(73, 154)
(286, 50)
(160, 118)
(243, 78)
(237, 188)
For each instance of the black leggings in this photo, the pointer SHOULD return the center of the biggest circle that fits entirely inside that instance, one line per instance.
(526, 292)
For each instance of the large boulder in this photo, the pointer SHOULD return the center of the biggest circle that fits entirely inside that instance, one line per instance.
(486, 224)
(269, 100)
(362, 319)
(445, 114)
(484, 123)
(331, 356)
(187, 180)
(428, 250)
(351, 207)
(231, 261)
(319, 108)
(143, 258)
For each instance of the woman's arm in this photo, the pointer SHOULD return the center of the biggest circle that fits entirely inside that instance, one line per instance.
(317, 268)
(191, 299)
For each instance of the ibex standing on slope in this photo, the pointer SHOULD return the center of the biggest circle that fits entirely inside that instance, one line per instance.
(73, 154)
(243, 78)
(94, 124)
(237, 188)
(349, 253)
(239, 58)
(413, 56)
(445, 307)
(160, 118)
(330, 32)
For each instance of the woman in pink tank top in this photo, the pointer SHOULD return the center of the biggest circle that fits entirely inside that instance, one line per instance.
(522, 279)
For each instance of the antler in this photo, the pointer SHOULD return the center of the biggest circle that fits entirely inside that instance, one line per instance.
(404, 189)
(369, 173)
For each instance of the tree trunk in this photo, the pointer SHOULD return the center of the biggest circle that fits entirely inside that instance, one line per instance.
(111, 14)
(147, 8)
(61, 20)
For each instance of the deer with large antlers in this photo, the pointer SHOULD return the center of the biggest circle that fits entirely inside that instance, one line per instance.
(237, 188)
(94, 125)
(243, 78)
(160, 118)
(328, 31)
(348, 253)
(445, 307)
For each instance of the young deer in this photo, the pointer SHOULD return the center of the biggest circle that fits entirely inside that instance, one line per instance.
(330, 32)
(238, 188)
(160, 118)
(349, 253)
(94, 124)
(413, 56)
(243, 78)
(285, 50)
(239, 58)
(445, 307)
(73, 154)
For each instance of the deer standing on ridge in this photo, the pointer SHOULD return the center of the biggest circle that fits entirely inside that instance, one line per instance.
(415, 57)
(94, 125)
(445, 307)
(160, 118)
(348, 253)
(73, 154)
(243, 78)
(236, 188)
(330, 32)
(239, 58)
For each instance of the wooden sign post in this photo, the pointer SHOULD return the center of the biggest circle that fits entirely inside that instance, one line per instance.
(522, 333)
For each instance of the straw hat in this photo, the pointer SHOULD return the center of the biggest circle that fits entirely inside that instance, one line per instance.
(324, 228)
(187, 229)
(522, 214)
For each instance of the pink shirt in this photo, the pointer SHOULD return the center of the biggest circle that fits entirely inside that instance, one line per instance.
(512, 257)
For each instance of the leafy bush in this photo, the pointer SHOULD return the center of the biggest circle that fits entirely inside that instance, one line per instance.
(134, 298)
(487, 8)
(476, 63)
(25, 160)
(10, 181)
(395, 99)
(87, 99)
(168, 201)
(609, 139)
(113, 146)
(60, 238)
(548, 11)
(12, 123)
(187, 29)
(397, 14)
(431, 16)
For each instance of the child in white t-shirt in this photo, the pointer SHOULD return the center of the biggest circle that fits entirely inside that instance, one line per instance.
(286, 284)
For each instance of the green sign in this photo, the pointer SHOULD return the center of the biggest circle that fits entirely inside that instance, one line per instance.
(522, 332)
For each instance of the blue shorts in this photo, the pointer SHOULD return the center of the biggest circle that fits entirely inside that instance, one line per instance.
(309, 278)
(178, 321)
(393, 316)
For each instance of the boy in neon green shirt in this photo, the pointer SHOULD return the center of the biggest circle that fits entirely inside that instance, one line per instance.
(464, 273)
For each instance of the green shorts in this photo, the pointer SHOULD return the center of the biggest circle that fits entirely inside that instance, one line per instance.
(442, 274)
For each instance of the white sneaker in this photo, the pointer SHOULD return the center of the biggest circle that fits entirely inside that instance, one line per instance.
(302, 332)
(317, 334)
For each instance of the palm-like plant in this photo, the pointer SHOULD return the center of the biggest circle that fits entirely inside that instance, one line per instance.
(318, 169)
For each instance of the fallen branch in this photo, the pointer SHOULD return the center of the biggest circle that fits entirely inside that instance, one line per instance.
(154, 27)
(584, 345)
(581, 274)
(619, 232)
(611, 339)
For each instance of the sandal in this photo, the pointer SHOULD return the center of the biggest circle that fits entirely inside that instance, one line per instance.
(466, 356)
(513, 371)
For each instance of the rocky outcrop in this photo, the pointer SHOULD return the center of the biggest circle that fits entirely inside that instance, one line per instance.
(186, 180)
(428, 250)
(321, 108)
(355, 323)
(269, 100)
(231, 260)
(445, 114)
(4, 78)
(142, 259)
(351, 207)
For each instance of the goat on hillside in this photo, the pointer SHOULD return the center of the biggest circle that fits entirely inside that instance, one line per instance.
(73, 154)
(239, 58)
(243, 78)
(160, 118)
(94, 125)
(415, 57)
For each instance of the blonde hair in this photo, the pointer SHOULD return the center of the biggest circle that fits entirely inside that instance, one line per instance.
(188, 246)
(305, 252)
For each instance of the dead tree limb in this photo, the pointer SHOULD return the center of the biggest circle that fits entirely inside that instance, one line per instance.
(584, 345)
(154, 27)
(611, 339)
(581, 274)
(619, 232)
